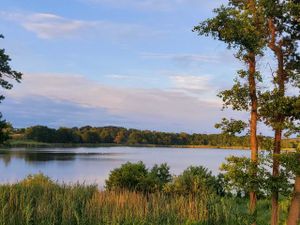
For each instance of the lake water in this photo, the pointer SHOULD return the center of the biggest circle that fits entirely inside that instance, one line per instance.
(92, 165)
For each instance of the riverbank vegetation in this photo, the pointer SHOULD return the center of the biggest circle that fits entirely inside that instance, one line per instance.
(87, 136)
(187, 199)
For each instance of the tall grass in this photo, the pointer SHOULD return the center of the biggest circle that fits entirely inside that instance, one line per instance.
(39, 201)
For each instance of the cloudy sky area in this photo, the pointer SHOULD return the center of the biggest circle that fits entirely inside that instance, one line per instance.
(132, 63)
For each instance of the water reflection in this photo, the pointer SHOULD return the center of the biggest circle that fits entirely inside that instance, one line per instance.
(93, 165)
(41, 156)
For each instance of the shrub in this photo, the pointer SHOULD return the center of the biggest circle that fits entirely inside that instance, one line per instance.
(192, 181)
(37, 179)
(156, 178)
(136, 177)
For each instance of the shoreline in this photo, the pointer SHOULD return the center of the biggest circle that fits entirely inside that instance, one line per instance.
(33, 144)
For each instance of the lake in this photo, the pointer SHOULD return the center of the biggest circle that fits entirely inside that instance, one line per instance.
(92, 165)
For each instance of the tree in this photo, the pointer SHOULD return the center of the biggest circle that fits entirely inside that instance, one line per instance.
(106, 136)
(120, 137)
(41, 134)
(283, 33)
(90, 136)
(3, 134)
(67, 135)
(6, 74)
(239, 25)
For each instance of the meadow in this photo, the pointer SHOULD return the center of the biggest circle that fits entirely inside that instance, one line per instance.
(37, 200)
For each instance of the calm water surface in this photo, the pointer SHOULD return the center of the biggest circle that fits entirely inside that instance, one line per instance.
(92, 165)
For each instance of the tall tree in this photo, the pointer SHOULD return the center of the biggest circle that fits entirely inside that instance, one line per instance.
(240, 26)
(283, 27)
(6, 74)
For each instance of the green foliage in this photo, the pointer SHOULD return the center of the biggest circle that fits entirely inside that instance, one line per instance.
(40, 133)
(239, 178)
(234, 25)
(36, 180)
(119, 135)
(6, 72)
(90, 136)
(136, 177)
(192, 181)
(274, 106)
(129, 176)
(3, 133)
(237, 97)
(157, 177)
(66, 135)
(291, 161)
(231, 126)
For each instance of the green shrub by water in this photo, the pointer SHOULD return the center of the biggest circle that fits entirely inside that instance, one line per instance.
(136, 177)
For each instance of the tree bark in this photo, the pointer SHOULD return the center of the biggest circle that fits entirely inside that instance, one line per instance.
(275, 195)
(294, 211)
(253, 129)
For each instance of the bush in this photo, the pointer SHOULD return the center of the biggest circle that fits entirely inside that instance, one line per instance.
(195, 179)
(136, 177)
(156, 178)
(36, 180)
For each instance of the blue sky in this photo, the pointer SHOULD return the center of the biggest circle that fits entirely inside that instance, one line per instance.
(132, 63)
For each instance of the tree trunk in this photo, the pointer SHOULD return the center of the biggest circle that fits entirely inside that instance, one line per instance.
(253, 130)
(279, 120)
(294, 211)
(275, 195)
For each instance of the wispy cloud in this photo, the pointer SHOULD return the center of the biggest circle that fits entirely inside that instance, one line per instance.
(153, 105)
(156, 5)
(193, 84)
(130, 77)
(48, 26)
(182, 57)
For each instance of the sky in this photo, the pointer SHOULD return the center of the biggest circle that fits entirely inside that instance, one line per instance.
(130, 63)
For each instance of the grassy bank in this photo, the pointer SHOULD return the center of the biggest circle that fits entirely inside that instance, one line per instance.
(39, 201)
(35, 144)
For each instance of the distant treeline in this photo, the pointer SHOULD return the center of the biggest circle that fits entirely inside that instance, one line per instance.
(120, 135)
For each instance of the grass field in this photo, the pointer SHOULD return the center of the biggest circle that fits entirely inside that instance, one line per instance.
(39, 201)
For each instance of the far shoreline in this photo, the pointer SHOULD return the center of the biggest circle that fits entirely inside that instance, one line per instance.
(33, 144)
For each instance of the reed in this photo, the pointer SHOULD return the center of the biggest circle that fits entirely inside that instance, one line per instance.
(39, 201)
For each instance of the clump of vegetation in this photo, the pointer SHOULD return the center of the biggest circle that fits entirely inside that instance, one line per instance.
(136, 177)
(192, 181)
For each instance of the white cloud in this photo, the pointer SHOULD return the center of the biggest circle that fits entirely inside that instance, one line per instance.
(189, 83)
(160, 106)
(49, 26)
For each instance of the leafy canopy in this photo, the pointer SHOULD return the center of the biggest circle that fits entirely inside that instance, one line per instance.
(6, 72)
